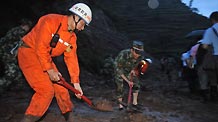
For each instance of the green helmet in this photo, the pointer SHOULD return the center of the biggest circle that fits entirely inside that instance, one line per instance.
(138, 46)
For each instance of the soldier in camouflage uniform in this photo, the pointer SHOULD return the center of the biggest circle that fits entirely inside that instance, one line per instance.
(108, 67)
(124, 65)
(9, 44)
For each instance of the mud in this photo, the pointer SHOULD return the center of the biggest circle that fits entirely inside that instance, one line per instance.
(158, 106)
(102, 105)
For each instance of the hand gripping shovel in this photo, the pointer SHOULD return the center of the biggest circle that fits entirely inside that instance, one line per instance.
(100, 105)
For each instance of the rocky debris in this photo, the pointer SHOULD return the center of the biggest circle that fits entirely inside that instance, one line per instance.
(115, 24)
(158, 106)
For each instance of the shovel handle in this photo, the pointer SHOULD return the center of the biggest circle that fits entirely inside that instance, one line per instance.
(130, 90)
(129, 95)
(70, 87)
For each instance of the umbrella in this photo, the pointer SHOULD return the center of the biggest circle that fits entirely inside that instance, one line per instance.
(195, 34)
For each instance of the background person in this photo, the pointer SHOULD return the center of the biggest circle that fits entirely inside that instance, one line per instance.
(10, 71)
(189, 73)
(210, 38)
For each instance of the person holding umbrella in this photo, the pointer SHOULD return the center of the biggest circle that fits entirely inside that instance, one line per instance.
(210, 38)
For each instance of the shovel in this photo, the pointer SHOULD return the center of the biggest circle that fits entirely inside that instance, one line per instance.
(130, 94)
(129, 98)
(100, 105)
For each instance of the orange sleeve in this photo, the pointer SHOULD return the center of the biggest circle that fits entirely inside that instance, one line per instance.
(42, 45)
(71, 61)
(72, 64)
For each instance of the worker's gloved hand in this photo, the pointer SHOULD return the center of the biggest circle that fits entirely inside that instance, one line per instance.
(77, 87)
(54, 75)
(133, 73)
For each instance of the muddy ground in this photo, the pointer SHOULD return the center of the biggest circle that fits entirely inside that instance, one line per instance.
(163, 104)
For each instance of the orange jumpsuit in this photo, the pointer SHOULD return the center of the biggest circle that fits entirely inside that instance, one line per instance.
(36, 59)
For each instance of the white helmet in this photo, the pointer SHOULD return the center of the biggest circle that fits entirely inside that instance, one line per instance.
(83, 11)
(148, 60)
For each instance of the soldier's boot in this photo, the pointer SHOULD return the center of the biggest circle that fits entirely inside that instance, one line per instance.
(213, 93)
(69, 116)
(30, 118)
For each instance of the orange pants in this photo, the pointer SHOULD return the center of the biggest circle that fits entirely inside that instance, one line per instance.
(44, 89)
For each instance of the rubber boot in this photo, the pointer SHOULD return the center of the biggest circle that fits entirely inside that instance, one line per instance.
(30, 118)
(69, 116)
(213, 93)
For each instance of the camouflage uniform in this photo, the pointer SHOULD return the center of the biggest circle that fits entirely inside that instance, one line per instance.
(11, 69)
(108, 67)
(123, 64)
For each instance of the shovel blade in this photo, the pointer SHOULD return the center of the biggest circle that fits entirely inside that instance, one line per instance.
(103, 105)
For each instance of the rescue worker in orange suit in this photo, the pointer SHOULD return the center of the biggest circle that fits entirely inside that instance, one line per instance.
(35, 60)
